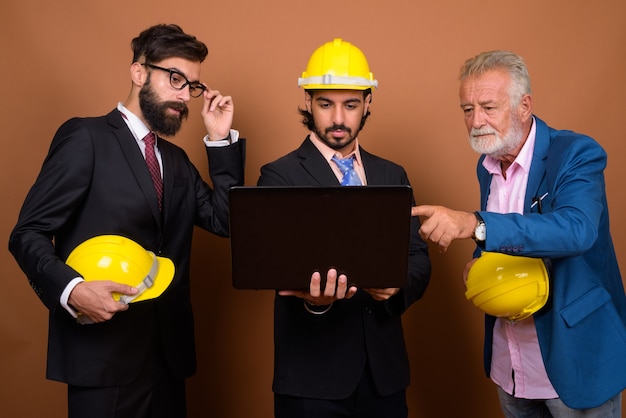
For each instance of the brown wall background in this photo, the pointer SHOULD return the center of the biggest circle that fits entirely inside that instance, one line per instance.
(71, 58)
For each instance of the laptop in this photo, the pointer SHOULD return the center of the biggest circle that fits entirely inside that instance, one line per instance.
(281, 235)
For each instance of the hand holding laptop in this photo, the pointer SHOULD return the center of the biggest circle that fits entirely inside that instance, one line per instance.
(382, 294)
(336, 288)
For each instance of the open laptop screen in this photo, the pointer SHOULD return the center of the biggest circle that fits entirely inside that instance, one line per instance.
(281, 235)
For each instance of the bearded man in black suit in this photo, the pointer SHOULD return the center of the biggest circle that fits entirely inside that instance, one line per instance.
(339, 350)
(128, 360)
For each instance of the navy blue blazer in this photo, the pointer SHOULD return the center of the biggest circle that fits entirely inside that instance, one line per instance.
(324, 356)
(95, 181)
(582, 328)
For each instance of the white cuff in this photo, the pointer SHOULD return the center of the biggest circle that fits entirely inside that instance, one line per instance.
(66, 295)
(234, 137)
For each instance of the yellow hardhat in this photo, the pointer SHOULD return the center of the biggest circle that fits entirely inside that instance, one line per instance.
(337, 65)
(508, 286)
(119, 259)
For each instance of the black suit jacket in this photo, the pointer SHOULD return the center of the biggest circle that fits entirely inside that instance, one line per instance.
(324, 356)
(95, 181)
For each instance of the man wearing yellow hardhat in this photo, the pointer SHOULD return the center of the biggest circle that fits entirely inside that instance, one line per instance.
(542, 196)
(115, 202)
(339, 351)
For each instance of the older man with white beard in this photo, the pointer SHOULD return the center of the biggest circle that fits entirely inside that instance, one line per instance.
(542, 196)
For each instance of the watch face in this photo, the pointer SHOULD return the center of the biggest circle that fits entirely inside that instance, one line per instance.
(481, 232)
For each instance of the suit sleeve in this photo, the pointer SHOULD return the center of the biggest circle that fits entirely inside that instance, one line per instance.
(572, 210)
(226, 170)
(56, 194)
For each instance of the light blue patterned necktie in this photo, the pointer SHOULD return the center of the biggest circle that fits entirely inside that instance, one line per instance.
(346, 166)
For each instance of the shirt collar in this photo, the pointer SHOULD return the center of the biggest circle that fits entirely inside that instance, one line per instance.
(328, 152)
(136, 126)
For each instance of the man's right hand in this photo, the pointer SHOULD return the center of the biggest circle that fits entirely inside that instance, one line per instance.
(336, 288)
(95, 300)
(443, 225)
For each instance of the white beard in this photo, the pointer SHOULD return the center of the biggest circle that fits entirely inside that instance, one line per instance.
(498, 146)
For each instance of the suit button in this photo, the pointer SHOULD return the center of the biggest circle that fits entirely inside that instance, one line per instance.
(368, 310)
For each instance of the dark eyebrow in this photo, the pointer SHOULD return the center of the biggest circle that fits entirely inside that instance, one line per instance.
(352, 100)
(184, 75)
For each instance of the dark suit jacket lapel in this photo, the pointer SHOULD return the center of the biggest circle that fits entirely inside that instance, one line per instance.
(374, 169)
(537, 175)
(135, 160)
(314, 163)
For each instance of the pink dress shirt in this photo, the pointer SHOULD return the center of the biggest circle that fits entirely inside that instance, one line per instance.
(516, 363)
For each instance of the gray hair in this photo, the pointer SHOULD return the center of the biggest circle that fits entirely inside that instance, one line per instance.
(507, 61)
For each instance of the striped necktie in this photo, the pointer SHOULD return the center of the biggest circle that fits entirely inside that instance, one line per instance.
(153, 166)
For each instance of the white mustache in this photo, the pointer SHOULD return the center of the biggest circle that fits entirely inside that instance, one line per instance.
(482, 131)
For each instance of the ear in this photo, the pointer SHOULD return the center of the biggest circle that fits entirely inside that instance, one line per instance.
(525, 107)
(368, 101)
(138, 74)
(307, 100)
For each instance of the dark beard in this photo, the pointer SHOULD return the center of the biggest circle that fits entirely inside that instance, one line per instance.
(336, 145)
(156, 115)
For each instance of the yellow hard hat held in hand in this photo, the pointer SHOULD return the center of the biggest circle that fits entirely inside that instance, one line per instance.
(119, 259)
(508, 286)
(337, 65)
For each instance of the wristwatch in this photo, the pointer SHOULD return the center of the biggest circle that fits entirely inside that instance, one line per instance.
(480, 231)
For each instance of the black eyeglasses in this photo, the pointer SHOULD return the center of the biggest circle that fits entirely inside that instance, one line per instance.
(179, 81)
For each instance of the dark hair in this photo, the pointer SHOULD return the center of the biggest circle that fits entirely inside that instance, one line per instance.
(309, 122)
(163, 41)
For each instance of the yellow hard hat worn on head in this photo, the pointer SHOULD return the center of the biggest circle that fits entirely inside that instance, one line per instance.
(119, 259)
(508, 286)
(337, 65)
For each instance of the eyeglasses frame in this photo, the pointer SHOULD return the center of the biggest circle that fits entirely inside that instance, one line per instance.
(192, 84)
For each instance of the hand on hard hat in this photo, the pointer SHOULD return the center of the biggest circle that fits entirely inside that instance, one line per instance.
(106, 257)
(95, 299)
(466, 270)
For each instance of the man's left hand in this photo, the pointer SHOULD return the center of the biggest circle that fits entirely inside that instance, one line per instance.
(382, 294)
(217, 113)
